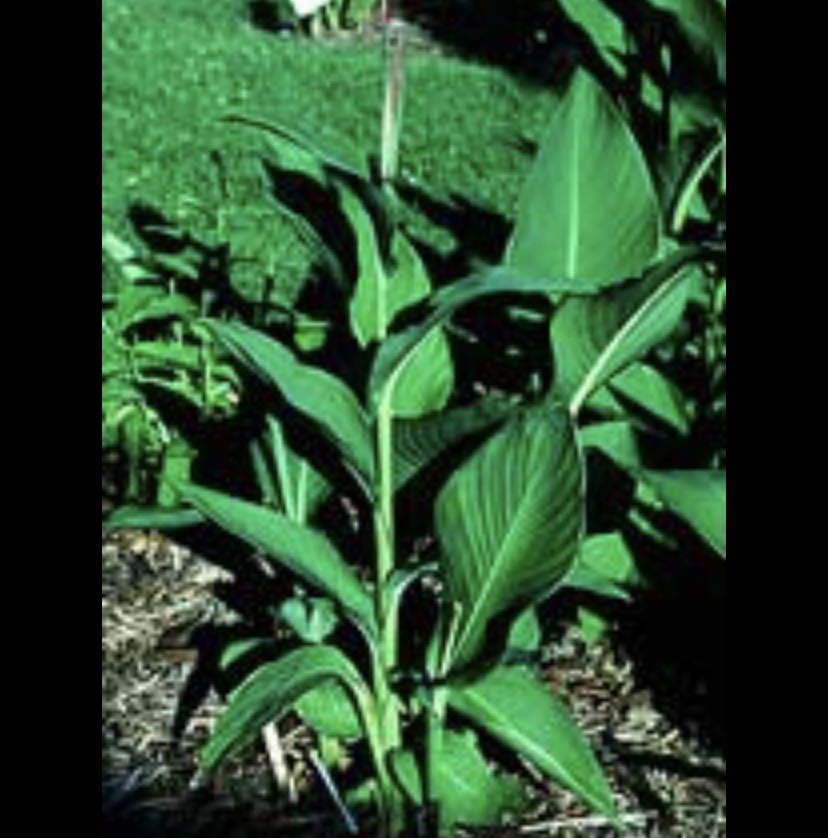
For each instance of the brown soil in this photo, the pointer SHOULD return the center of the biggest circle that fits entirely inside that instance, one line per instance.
(668, 782)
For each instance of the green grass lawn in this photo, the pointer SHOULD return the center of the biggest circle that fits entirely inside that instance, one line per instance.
(170, 69)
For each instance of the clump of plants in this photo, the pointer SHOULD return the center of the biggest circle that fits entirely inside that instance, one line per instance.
(414, 515)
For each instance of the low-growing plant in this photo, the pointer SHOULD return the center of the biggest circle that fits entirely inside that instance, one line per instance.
(157, 361)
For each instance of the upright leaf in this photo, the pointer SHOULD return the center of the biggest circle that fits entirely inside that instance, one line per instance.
(388, 283)
(271, 691)
(427, 382)
(323, 399)
(589, 209)
(595, 338)
(699, 498)
(305, 552)
(509, 522)
(512, 706)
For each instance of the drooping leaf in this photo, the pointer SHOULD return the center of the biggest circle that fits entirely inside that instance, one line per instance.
(305, 552)
(699, 498)
(297, 149)
(464, 788)
(595, 338)
(509, 522)
(323, 399)
(270, 692)
(519, 711)
(398, 350)
(589, 209)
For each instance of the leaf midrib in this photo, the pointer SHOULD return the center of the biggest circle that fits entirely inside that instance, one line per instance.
(496, 572)
(604, 359)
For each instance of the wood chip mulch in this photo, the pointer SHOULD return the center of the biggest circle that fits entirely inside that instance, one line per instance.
(669, 782)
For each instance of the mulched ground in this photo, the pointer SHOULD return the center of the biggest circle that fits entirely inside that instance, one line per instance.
(668, 779)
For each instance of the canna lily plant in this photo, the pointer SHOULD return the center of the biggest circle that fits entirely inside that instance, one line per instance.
(418, 658)
(411, 641)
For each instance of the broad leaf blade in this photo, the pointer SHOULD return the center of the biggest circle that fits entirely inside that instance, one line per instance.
(329, 710)
(270, 692)
(589, 209)
(509, 522)
(521, 713)
(401, 347)
(427, 382)
(305, 552)
(321, 397)
(595, 338)
(420, 442)
(699, 498)
(464, 788)
(388, 283)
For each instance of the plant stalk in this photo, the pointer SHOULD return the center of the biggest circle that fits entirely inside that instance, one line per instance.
(394, 90)
(385, 664)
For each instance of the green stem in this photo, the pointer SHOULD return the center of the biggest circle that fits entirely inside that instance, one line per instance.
(435, 727)
(385, 664)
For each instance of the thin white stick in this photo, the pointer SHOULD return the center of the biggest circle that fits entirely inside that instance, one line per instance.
(585, 822)
(278, 761)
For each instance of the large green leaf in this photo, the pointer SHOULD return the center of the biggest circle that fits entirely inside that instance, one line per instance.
(420, 442)
(271, 691)
(594, 338)
(589, 209)
(520, 712)
(322, 398)
(306, 552)
(699, 497)
(464, 788)
(401, 347)
(509, 522)
(388, 283)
